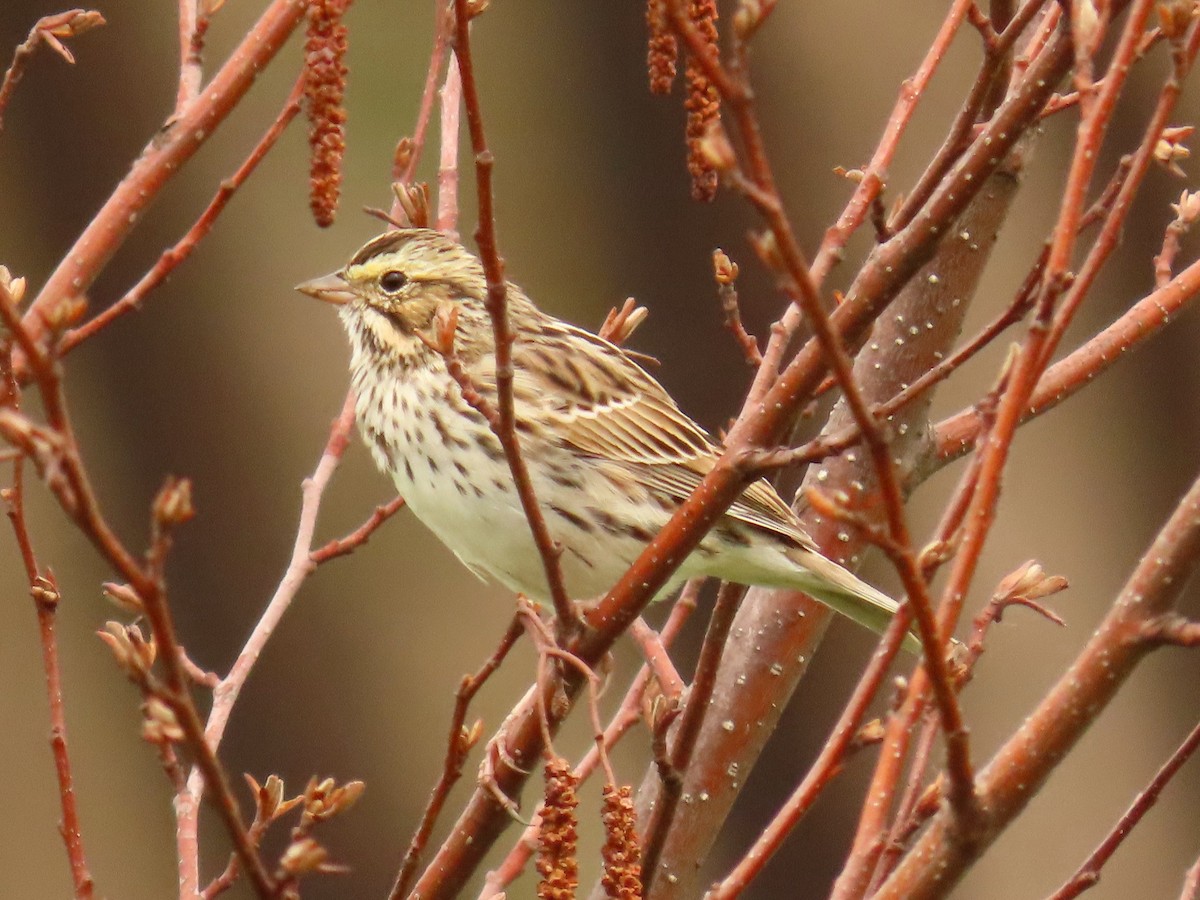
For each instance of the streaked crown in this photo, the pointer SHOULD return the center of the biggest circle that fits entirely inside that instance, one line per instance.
(400, 266)
(399, 280)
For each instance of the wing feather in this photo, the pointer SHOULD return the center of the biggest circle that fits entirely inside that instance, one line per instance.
(604, 405)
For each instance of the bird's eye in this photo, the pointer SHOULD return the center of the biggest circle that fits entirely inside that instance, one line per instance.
(392, 281)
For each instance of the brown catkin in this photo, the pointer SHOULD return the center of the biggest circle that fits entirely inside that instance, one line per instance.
(663, 50)
(622, 878)
(557, 862)
(325, 87)
(703, 104)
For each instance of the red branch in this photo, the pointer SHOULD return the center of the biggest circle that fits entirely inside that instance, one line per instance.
(192, 26)
(174, 256)
(497, 306)
(345, 545)
(301, 565)
(63, 469)
(1089, 873)
(699, 700)
(885, 273)
(1020, 767)
(415, 146)
(447, 205)
(44, 591)
(171, 147)
(459, 744)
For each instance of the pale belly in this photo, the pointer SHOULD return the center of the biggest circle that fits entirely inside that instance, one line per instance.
(454, 477)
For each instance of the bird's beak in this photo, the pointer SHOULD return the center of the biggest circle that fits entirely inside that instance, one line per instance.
(330, 288)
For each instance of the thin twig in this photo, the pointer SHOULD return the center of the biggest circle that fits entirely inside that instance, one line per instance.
(1088, 874)
(359, 536)
(1191, 883)
(161, 160)
(174, 256)
(698, 702)
(654, 652)
(497, 306)
(48, 30)
(457, 747)
(726, 272)
(192, 26)
(547, 650)
(414, 147)
(76, 496)
(1092, 128)
(447, 203)
(46, 598)
(226, 693)
(911, 811)
(1164, 260)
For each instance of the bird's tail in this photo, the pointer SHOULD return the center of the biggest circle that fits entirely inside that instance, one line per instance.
(845, 593)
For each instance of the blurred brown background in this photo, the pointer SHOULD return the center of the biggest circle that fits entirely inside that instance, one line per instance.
(229, 377)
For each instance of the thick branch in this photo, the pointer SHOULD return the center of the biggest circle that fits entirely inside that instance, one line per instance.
(170, 148)
(776, 632)
(1021, 766)
(957, 434)
(890, 267)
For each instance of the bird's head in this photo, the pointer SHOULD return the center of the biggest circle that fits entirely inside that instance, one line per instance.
(393, 287)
